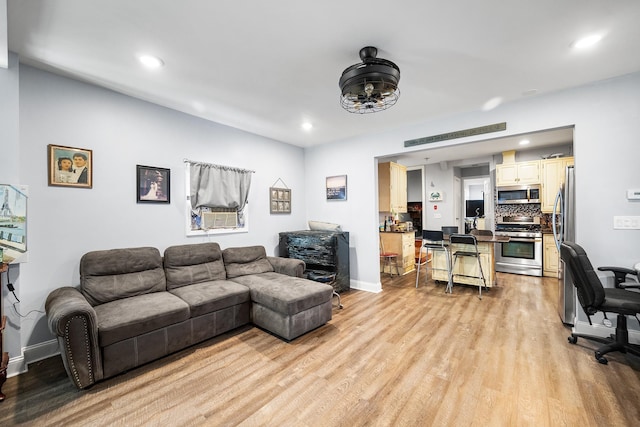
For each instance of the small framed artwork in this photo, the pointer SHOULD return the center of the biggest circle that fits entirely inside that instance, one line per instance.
(70, 167)
(153, 185)
(280, 200)
(435, 196)
(337, 187)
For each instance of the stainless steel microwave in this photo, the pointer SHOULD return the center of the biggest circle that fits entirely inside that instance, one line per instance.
(517, 194)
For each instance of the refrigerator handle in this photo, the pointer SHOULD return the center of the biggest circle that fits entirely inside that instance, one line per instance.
(557, 204)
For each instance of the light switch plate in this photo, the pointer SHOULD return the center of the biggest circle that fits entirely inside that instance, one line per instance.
(633, 194)
(626, 222)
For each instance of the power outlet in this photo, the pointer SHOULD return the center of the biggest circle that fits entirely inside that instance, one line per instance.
(626, 222)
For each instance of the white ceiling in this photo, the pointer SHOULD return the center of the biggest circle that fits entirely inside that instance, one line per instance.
(266, 66)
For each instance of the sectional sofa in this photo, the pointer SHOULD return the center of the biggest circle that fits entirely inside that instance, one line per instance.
(134, 305)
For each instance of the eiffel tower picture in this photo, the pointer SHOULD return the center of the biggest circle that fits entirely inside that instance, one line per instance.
(5, 210)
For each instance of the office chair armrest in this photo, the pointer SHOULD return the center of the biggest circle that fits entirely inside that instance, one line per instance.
(620, 274)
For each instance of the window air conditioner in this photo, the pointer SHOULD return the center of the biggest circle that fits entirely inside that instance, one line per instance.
(219, 220)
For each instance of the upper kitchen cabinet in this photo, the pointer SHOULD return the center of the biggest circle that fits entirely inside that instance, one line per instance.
(518, 173)
(392, 187)
(553, 176)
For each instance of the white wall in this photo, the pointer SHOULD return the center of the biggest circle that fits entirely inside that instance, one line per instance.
(606, 152)
(414, 185)
(9, 121)
(64, 223)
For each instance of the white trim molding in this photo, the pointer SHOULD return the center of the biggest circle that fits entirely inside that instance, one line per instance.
(600, 330)
(20, 364)
(366, 286)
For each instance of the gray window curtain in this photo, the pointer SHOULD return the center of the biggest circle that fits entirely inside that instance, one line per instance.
(217, 186)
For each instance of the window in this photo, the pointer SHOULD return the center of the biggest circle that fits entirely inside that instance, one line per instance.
(216, 199)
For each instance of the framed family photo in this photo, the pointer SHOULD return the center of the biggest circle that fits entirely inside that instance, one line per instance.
(337, 187)
(153, 184)
(70, 167)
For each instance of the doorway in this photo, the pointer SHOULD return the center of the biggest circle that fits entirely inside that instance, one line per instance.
(416, 197)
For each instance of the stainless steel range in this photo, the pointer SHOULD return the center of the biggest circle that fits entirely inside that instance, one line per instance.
(522, 254)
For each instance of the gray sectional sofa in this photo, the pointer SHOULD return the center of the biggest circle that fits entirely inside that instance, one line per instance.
(134, 306)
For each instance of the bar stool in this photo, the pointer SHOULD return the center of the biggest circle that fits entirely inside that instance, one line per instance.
(386, 258)
(433, 240)
(470, 240)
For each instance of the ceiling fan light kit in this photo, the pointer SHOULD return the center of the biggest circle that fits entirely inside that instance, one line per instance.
(370, 86)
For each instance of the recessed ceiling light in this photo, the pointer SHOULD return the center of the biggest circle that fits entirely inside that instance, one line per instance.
(492, 103)
(151, 61)
(587, 41)
(524, 142)
(307, 126)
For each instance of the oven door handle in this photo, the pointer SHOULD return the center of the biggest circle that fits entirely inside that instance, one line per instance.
(525, 239)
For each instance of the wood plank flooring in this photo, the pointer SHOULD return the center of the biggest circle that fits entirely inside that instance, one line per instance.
(403, 357)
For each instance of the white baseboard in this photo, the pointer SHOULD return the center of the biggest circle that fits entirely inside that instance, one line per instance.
(20, 364)
(599, 330)
(366, 286)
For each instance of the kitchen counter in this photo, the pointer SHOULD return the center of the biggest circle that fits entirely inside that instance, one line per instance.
(467, 266)
(486, 239)
(402, 243)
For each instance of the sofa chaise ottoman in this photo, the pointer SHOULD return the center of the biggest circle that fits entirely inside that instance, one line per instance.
(285, 305)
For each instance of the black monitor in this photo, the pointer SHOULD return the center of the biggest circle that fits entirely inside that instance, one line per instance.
(474, 208)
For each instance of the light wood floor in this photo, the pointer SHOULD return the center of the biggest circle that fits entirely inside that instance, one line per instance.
(403, 357)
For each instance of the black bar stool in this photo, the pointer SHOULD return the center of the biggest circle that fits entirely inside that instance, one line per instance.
(433, 240)
(469, 240)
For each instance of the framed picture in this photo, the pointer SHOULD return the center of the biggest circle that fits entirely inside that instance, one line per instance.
(280, 200)
(153, 185)
(337, 187)
(435, 196)
(70, 167)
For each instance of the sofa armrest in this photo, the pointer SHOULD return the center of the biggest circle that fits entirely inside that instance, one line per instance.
(74, 322)
(289, 266)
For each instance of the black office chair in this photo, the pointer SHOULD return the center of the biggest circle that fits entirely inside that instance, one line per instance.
(433, 240)
(594, 297)
(471, 250)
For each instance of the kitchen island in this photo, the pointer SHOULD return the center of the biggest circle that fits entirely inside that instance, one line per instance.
(467, 266)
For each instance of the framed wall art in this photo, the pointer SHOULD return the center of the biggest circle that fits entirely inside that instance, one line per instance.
(280, 200)
(435, 196)
(70, 167)
(153, 184)
(337, 187)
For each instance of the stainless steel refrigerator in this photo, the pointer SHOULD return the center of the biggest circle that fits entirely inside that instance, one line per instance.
(564, 229)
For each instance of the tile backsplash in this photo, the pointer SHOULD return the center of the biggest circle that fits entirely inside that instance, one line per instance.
(532, 209)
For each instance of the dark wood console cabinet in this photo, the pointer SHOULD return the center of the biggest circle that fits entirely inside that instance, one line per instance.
(322, 251)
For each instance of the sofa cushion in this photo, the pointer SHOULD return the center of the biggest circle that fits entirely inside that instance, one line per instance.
(194, 263)
(246, 260)
(113, 274)
(208, 297)
(285, 294)
(134, 316)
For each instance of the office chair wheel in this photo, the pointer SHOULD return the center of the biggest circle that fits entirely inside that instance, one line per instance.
(573, 340)
(600, 358)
